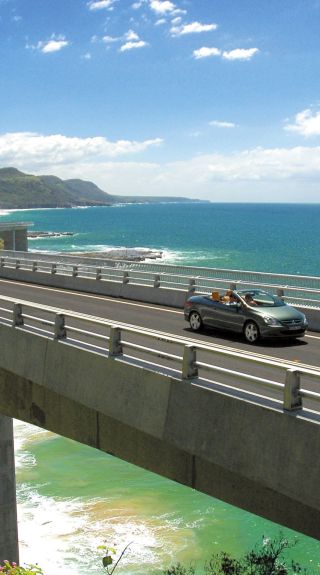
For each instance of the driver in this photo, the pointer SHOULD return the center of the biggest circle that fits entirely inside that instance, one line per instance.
(249, 299)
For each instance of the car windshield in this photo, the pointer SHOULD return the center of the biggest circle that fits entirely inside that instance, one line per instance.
(261, 298)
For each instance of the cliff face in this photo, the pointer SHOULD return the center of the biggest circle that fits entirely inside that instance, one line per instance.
(21, 191)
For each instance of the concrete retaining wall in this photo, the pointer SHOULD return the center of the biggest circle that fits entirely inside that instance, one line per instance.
(257, 458)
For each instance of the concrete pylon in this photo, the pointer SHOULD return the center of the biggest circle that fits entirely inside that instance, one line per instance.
(9, 548)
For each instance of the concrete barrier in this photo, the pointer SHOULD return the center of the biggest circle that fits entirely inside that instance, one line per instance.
(155, 295)
(145, 293)
(258, 458)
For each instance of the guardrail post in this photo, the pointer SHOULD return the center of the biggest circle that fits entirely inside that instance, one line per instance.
(191, 287)
(17, 318)
(292, 400)
(125, 278)
(17, 264)
(74, 271)
(98, 274)
(189, 367)
(2, 262)
(60, 331)
(34, 266)
(156, 281)
(280, 292)
(54, 268)
(115, 346)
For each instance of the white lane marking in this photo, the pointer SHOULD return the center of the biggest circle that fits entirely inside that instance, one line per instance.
(162, 309)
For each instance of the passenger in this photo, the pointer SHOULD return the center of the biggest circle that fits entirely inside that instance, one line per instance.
(249, 299)
(232, 299)
(226, 297)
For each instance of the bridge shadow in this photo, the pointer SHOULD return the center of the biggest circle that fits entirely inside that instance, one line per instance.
(276, 342)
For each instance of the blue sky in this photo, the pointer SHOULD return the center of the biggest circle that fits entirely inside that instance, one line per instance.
(211, 99)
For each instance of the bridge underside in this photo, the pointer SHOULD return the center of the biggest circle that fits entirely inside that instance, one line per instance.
(257, 458)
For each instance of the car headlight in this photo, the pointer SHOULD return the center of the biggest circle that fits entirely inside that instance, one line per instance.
(271, 320)
(304, 320)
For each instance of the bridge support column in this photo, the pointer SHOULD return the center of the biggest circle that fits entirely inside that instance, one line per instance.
(8, 508)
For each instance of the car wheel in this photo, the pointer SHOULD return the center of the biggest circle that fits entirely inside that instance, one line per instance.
(195, 321)
(251, 332)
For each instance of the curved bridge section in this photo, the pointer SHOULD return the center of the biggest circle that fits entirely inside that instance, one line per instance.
(258, 451)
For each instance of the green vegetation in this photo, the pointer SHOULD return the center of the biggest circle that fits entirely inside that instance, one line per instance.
(21, 191)
(14, 569)
(267, 558)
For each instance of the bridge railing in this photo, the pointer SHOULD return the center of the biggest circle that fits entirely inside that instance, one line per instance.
(297, 290)
(176, 356)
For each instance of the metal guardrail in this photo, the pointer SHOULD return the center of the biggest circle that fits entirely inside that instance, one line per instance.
(302, 290)
(115, 340)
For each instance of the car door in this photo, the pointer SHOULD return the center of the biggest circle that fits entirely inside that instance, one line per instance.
(213, 313)
(209, 311)
(232, 317)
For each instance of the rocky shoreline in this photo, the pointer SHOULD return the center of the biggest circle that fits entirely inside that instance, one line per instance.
(127, 254)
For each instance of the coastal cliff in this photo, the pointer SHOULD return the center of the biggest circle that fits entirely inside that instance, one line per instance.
(25, 191)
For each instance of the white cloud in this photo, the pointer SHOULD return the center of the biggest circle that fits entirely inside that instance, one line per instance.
(162, 6)
(160, 22)
(192, 28)
(307, 123)
(101, 4)
(205, 52)
(55, 44)
(109, 39)
(237, 54)
(29, 148)
(218, 124)
(240, 54)
(132, 45)
(131, 36)
(252, 175)
(259, 174)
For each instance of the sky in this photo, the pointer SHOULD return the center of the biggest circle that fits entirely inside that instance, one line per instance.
(210, 99)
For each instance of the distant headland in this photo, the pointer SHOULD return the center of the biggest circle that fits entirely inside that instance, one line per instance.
(25, 191)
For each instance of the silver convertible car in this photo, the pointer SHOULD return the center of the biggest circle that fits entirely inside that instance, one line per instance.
(254, 313)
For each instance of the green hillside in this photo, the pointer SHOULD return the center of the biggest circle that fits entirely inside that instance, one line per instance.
(21, 191)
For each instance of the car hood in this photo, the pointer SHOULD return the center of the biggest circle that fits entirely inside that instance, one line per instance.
(281, 313)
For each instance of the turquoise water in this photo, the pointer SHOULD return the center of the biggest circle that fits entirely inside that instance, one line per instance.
(265, 237)
(73, 498)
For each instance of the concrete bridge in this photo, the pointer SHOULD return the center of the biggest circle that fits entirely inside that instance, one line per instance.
(153, 282)
(98, 385)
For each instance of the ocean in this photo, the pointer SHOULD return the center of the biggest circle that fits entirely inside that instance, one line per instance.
(72, 498)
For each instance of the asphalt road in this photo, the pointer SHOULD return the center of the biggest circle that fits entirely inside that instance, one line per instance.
(165, 319)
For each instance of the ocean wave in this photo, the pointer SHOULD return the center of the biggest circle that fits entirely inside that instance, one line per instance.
(52, 236)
